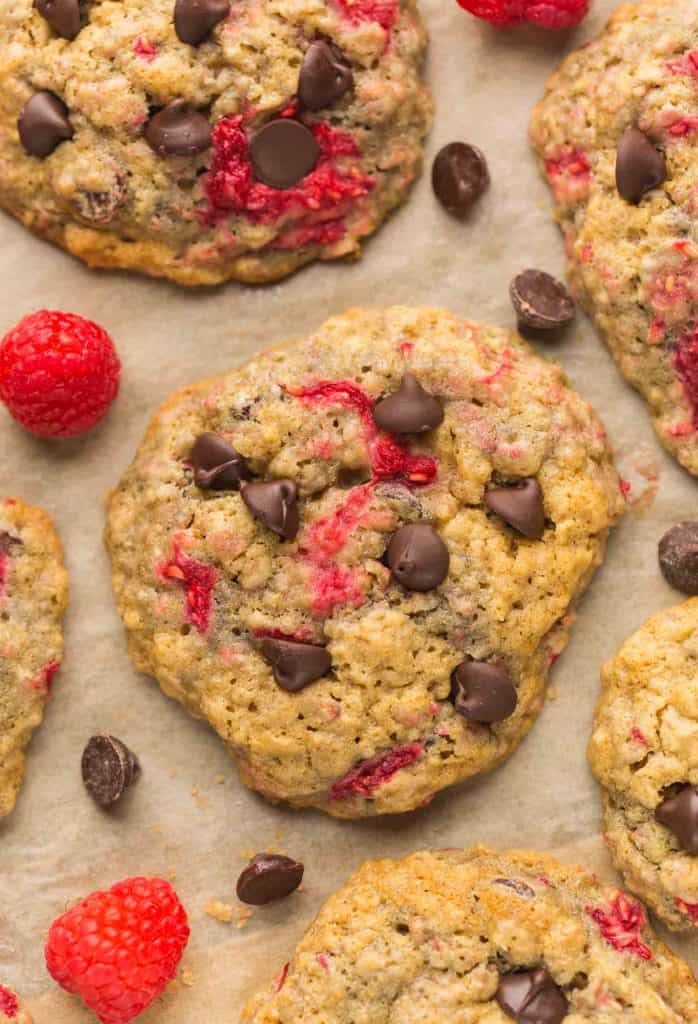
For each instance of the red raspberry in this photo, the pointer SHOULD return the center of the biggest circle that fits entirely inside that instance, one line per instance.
(118, 949)
(9, 1003)
(556, 14)
(59, 373)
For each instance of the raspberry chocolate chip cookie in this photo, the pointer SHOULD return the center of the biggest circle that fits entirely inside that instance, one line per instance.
(356, 556)
(33, 598)
(615, 135)
(644, 752)
(205, 140)
(479, 936)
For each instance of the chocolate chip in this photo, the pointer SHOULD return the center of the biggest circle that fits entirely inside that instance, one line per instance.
(179, 129)
(283, 152)
(516, 885)
(417, 557)
(520, 505)
(269, 877)
(100, 207)
(409, 410)
(678, 557)
(640, 166)
(541, 301)
(217, 465)
(275, 504)
(483, 692)
(62, 15)
(325, 76)
(194, 20)
(680, 814)
(8, 541)
(532, 997)
(108, 769)
(459, 176)
(44, 124)
(295, 664)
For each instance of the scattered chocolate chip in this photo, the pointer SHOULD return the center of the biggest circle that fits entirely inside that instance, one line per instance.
(459, 176)
(532, 997)
(44, 124)
(516, 885)
(283, 152)
(680, 814)
(62, 15)
(217, 465)
(269, 877)
(275, 504)
(179, 129)
(108, 769)
(519, 505)
(409, 410)
(640, 166)
(483, 692)
(295, 664)
(678, 557)
(541, 301)
(194, 20)
(417, 557)
(324, 77)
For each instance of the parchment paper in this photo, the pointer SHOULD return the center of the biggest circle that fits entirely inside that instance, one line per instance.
(188, 817)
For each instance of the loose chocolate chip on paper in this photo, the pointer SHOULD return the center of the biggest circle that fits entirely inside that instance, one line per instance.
(269, 877)
(640, 166)
(680, 815)
(295, 664)
(275, 504)
(62, 15)
(283, 152)
(417, 557)
(179, 129)
(541, 301)
(409, 410)
(217, 465)
(678, 557)
(44, 124)
(483, 692)
(520, 505)
(325, 76)
(532, 997)
(194, 20)
(459, 176)
(108, 769)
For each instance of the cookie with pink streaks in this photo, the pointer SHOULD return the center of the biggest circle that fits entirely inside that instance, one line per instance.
(356, 556)
(33, 598)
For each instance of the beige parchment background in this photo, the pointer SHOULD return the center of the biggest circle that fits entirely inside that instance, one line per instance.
(181, 818)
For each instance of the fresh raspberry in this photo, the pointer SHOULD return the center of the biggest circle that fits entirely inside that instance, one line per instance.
(9, 1004)
(119, 949)
(59, 373)
(555, 14)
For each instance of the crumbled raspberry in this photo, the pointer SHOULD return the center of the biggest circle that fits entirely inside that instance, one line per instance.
(621, 925)
(327, 536)
(369, 775)
(682, 127)
(569, 175)
(9, 1004)
(281, 980)
(689, 909)
(303, 635)
(337, 585)
(145, 49)
(554, 14)
(639, 736)
(385, 12)
(686, 65)
(45, 678)
(119, 949)
(198, 580)
(59, 373)
(323, 960)
(624, 487)
(686, 365)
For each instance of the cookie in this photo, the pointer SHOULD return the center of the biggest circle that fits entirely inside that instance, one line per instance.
(643, 751)
(33, 598)
(356, 556)
(205, 140)
(615, 137)
(11, 1009)
(479, 936)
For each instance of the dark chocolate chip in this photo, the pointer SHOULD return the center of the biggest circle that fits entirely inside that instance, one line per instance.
(680, 815)
(295, 664)
(275, 504)
(269, 877)
(283, 152)
(62, 15)
(532, 997)
(678, 557)
(541, 301)
(217, 465)
(483, 692)
(516, 885)
(179, 129)
(409, 410)
(640, 166)
(417, 557)
(100, 207)
(8, 541)
(108, 769)
(194, 20)
(325, 76)
(519, 505)
(459, 176)
(44, 124)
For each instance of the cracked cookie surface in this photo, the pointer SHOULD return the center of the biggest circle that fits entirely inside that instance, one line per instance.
(644, 751)
(440, 936)
(240, 624)
(33, 598)
(633, 263)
